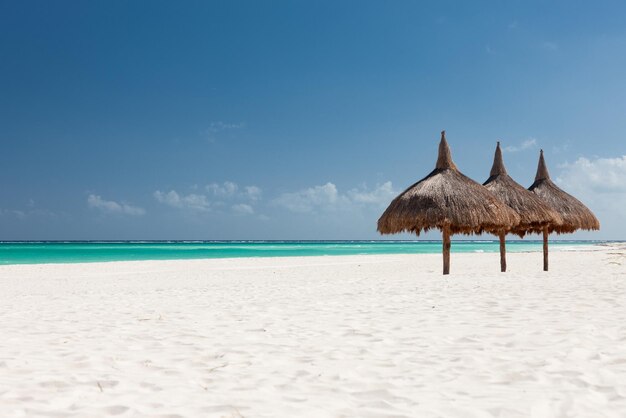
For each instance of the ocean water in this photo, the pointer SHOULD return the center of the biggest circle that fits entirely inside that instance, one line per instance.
(91, 251)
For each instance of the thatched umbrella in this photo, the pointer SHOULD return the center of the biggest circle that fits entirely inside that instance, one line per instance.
(533, 212)
(449, 201)
(575, 215)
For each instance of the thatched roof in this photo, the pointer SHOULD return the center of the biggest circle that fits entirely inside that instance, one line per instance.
(533, 212)
(575, 215)
(446, 197)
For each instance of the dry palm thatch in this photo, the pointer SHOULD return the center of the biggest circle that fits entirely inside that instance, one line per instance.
(449, 201)
(533, 212)
(575, 215)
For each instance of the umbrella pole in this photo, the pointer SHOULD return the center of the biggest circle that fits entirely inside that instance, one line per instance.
(446, 249)
(502, 252)
(545, 248)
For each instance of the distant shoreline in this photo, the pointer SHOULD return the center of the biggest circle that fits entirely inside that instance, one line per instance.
(71, 252)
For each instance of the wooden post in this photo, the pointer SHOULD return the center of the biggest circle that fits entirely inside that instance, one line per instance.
(545, 248)
(446, 249)
(502, 252)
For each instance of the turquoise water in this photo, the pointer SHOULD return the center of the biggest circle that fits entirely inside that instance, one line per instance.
(80, 252)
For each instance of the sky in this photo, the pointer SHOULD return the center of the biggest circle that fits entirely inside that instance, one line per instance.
(296, 119)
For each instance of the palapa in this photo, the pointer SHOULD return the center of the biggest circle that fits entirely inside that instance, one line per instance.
(574, 213)
(449, 201)
(533, 212)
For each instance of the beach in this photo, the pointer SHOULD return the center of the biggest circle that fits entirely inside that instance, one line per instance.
(333, 336)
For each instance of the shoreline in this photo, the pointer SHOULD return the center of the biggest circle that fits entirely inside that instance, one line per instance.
(553, 249)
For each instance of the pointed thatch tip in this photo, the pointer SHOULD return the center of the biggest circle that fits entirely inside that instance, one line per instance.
(498, 164)
(444, 159)
(542, 169)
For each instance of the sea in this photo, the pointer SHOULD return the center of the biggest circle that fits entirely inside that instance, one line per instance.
(40, 252)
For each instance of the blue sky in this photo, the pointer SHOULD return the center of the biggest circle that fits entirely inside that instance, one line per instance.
(295, 120)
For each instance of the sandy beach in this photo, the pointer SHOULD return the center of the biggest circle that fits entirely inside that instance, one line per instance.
(348, 336)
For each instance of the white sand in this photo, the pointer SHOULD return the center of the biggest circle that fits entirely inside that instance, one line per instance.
(354, 336)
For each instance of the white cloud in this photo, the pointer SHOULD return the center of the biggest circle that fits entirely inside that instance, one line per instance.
(529, 143)
(227, 189)
(111, 206)
(230, 190)
(213, 197)
(600, 175)
(253, 192)
(191, 201)
(243, 209)
(310, 199)
(599, 183)
(326, 197)
(381, 195)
